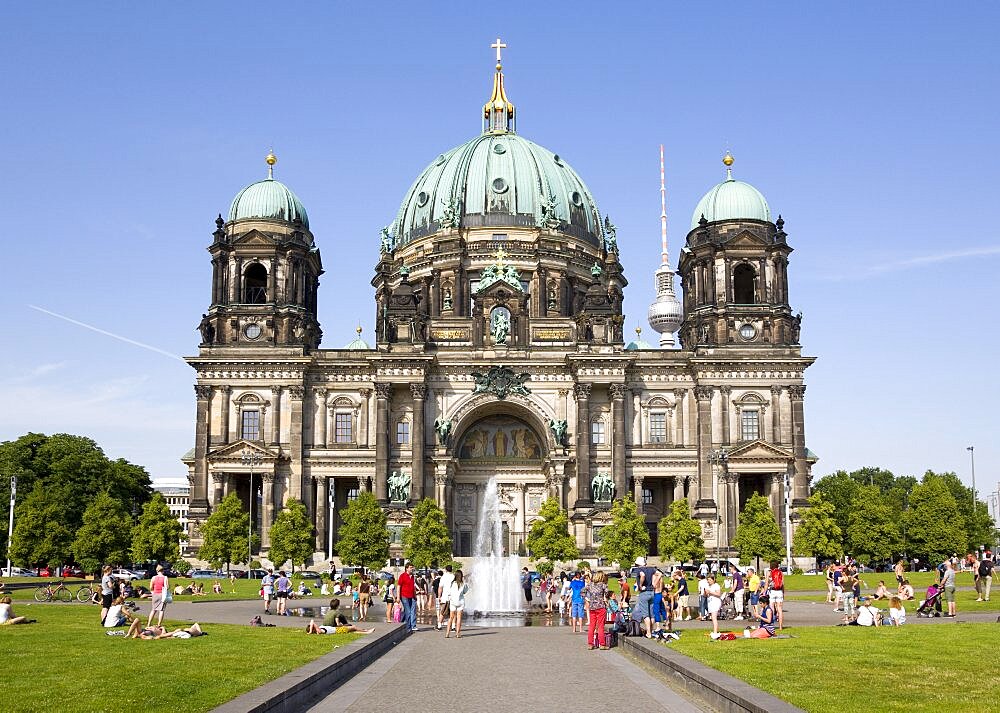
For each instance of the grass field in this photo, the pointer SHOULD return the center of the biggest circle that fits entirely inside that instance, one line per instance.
(65, 662)
(909, 669)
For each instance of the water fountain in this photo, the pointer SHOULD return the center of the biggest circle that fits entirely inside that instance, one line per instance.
(495, 579)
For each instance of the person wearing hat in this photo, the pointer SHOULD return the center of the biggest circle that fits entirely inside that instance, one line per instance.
(644, 602)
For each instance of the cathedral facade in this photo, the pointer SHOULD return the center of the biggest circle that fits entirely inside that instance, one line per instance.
(500, 353)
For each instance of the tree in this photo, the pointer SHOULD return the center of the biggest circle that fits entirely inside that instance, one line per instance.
(626, 537)
(427, 541)
(41, 535)
(105, 535)
(839, 489)
(292, 535)
(872, 533)
(224, 533)
(980, 528)
(680, 534)
(934, 528)
(549, 537)
(158, 533)
(818, 534)
(758, 534)
(363, 538)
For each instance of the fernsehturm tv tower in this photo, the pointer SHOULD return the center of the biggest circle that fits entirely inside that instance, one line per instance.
(665, 314)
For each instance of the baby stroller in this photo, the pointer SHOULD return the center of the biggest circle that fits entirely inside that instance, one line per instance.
(931, 606)
(728, 610)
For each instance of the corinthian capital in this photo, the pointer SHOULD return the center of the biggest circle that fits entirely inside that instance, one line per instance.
(581, 391)
(703, 393)
(202, 392)
(419, 391)
(617, 391)
(383, 391)
(797, 392)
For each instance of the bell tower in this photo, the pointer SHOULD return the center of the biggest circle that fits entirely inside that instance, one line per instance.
(265, 271)
(734, 270)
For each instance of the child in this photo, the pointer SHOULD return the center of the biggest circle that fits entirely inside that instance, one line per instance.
(897, 614)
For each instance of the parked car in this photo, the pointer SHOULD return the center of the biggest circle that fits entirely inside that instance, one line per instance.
(18, 572)
(125, 574)
(345, 572)
(252, 574)
(202, 574)
(71, 570)
(46, 572)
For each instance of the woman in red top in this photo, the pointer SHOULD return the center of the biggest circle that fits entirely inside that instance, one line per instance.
(159, 586)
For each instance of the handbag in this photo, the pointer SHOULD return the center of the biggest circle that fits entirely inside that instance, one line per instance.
(169, 597)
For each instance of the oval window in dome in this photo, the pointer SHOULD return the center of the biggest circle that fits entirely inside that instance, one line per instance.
(421, 199)
(499, 149)
(440, 160)
(577, 199)
(557, 160)
(499, 185)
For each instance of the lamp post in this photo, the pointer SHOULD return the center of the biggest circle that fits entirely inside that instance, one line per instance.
(718, 458)
(10, 524)
(972, 458)
(788, 522)
(250, 458)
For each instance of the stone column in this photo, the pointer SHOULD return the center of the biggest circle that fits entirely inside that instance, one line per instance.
(319, 418)
(267, 495)
(582, 393)
(522, 510)
(419, 393)
(440, 480)
(637, 481)
(218, 481)
(322, 508)
(224, 393)
(725, 391)
(275, 415)
(383, 392)
(637, 415)
(295, 393)
(732, 504)
(776, 414)
(363, 420)
(559, 476)
(198, 508)
(679, 409)
(363, 483)
(679, 488)
(800, 486)
(617, 392)
(775, 495)
(706, 499)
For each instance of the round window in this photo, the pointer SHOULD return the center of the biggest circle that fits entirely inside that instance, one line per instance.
(252, 331)
(421, 199)
(748, 332)
(557, 160)
(440, 160)
(499, 149)
(577, 199)
(499, 185)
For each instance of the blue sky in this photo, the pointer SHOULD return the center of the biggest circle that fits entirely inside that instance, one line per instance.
(126, 128)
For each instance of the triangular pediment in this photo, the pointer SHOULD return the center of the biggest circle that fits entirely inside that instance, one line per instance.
(759, 450)
(745, 239)
(255, 237)
(235, 450)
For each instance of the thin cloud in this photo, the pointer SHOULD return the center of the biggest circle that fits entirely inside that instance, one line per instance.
(914, 262)
(107, 333)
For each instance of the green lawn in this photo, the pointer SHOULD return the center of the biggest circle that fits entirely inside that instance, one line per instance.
(65, 662)
(908, 669)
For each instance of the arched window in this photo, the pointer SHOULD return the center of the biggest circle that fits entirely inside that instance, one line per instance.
(255, 284)
(744, 282)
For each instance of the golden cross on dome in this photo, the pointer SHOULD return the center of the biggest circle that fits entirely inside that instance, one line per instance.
(500, 255)
(498, 45)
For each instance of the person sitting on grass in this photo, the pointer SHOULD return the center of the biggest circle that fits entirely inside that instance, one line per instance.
(313, 628)
(766, 620)
(216, 587)
(7, 613)
(117, 615)
(905, 591)
(303, 590)
(881, 592)
(334, 617)
(867, 615)
(897, 614)
(197, 590)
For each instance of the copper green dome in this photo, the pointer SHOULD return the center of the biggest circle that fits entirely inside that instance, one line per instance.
(268, 199)
(731, 200)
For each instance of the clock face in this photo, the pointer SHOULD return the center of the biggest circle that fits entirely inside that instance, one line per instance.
(252, 331)
(748, 332)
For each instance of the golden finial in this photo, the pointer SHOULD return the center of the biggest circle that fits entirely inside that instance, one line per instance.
(358, 330)
(498, 112)
(638, 332)
(728, 159)
(498, 45)
(271, 160)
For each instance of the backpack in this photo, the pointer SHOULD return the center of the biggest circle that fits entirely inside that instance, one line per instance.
(256, 621)
(777, 580)
(634, 628)
(621, 621)
(985, 568)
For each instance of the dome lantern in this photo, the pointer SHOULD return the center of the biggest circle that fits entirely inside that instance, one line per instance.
(498, 112)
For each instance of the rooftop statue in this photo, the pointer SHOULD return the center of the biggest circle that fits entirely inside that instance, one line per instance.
(387, 241)
(442, 426)
(451, 217)
(602, 487)
(399, 487)
(610, 236)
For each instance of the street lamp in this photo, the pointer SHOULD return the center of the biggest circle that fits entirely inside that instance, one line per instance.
(718, 458)
(10, 525)
(250, 458)
(788, 521)
(972, 457)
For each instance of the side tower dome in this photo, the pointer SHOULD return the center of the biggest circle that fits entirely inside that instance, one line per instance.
(269, 199)
(731, 200)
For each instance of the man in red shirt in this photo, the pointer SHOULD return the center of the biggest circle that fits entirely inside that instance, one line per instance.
(408, 595)
(776, 588)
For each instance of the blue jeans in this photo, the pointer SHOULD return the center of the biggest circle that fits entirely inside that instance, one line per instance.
(643, 606)
(409, 612)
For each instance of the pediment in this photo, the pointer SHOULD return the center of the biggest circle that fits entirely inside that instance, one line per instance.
(234, 451)
(254, 238)
(746, 239)
(759, 450)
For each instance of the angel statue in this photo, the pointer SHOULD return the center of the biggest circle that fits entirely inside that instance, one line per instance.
(442, 426)
(387, 241)
(559, 430)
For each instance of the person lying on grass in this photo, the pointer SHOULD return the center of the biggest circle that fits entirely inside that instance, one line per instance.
(137, 631)
(313, 628)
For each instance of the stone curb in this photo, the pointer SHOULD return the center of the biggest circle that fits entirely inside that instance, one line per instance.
(299, 689)
(719, 690)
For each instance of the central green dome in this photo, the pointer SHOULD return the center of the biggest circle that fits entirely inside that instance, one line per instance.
(498, 180)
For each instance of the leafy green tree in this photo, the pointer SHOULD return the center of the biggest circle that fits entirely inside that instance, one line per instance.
(544, 568)
(626, 537)
(427, 541)
(292, 535)
(105, 534)
(158, 533)
(872, 533)
(839, 489)
(934, 528)
(818, 534)
(363, 538)
(224, 533)
(680, 534)
(758, 534)
(41, 535)
(980, 528)
(549, 537)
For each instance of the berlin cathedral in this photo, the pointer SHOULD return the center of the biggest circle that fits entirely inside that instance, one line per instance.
(499, 351)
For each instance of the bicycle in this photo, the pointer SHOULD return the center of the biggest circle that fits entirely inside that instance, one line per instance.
(48, 593)
(88, 594)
